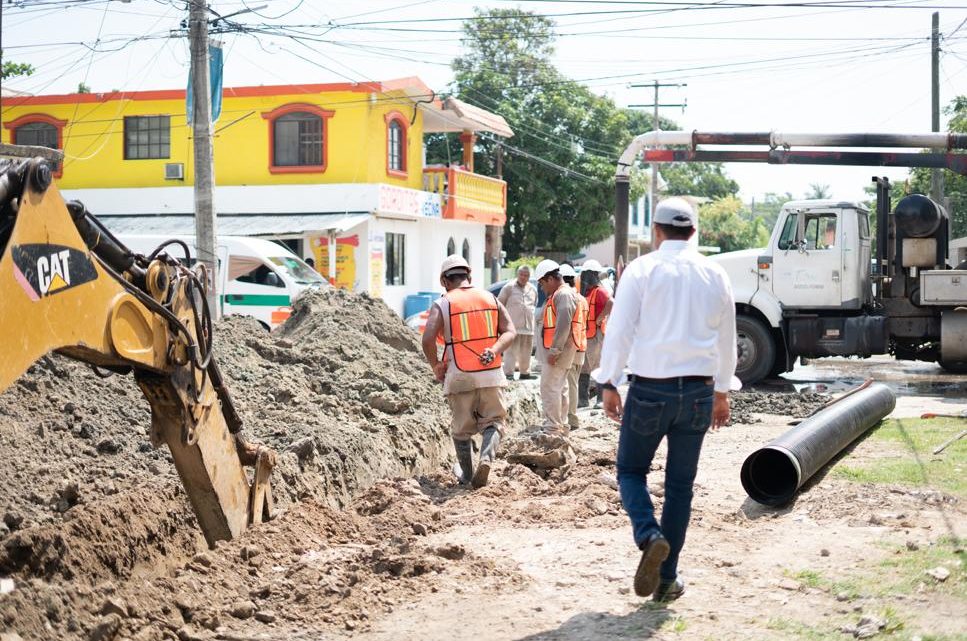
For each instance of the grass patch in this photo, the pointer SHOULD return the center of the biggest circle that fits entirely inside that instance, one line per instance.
(675, 624)
(916, 465)
(905, 569)
(803, 631)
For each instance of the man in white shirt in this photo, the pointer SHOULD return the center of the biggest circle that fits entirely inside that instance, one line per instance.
(673, 325)
(520, 299)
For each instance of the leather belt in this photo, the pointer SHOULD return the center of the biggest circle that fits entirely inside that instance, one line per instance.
(674, 380)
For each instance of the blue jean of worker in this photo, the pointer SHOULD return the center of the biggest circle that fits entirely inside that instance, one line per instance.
(680, 411)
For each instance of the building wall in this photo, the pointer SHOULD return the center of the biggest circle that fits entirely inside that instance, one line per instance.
(356, 146)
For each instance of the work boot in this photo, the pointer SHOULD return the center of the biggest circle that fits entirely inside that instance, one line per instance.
(584, 383)
(463, 469)
(599, 402)
(488, 454)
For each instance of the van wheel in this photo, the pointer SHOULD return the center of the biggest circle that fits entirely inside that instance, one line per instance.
(756, 350)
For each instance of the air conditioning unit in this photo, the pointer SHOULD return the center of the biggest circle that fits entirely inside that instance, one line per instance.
(174, 171)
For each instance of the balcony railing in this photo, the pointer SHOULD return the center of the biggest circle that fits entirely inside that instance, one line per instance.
(468, 196)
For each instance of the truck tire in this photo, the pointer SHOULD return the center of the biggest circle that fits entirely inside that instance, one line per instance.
(756, 350)
(954, 368)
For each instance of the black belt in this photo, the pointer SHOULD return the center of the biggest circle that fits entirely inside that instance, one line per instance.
(675, 379)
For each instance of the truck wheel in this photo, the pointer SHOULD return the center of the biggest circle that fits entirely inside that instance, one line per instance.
(756, 351)
(954, 368)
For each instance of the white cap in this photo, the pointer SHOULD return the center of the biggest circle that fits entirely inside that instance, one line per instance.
(676, 212)
(568, 271)
(545, 267)
(592, 266)
(454, 263)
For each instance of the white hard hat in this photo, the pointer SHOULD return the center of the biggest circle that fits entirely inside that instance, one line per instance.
(545, 267)
(592, 266)
(454, 263)
(568, 271)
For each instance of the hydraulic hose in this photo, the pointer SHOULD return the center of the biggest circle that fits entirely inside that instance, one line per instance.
(774, 473)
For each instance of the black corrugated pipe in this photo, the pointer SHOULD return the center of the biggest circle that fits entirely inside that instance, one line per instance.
(773, 474)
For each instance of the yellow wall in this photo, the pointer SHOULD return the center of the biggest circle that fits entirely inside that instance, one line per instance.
(94, 140)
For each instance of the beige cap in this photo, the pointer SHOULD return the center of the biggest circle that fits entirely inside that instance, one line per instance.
(454, 263)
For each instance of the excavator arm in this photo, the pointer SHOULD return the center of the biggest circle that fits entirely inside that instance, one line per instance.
(67, 285)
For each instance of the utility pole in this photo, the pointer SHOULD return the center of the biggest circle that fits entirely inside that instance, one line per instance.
(653, 192)
(495, 233)
(936, 175)
(201, 121)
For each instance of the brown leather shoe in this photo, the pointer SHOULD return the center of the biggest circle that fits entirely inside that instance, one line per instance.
(652, 554)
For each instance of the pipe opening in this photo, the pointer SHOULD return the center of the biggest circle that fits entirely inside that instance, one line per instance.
(770, 476)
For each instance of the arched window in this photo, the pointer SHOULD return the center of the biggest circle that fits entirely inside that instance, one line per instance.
(451, 247)
(466, 250)
(40, 130)
(297, 138)
(396, 147)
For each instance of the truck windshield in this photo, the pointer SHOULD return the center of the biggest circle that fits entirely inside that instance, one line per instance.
(298, 270)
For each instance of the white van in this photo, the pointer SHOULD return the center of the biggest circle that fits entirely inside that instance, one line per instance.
(262, 278)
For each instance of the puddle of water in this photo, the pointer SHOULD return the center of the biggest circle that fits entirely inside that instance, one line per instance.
(903, 377)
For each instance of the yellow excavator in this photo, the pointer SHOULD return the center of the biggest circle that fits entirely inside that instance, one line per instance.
(67, 285)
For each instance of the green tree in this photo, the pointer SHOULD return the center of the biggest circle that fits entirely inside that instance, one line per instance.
(769, 207)
(698, 179)
(817, 191)
(560, 164)
(13, 69)
(83, 87)
(724, 223)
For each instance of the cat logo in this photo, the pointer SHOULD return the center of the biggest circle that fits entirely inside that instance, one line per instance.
(44, 270)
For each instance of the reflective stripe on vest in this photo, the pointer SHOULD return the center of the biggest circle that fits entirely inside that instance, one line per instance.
(473, 328)
(550, 323)
(593, 313)
(579, 324)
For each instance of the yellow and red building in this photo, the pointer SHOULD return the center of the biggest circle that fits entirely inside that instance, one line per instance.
(335, 167)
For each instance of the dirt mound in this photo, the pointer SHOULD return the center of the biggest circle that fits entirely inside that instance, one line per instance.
(746, 404)
(341, 392)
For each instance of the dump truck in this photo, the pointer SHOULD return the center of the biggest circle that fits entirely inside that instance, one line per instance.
(68, 286)
(822, 287)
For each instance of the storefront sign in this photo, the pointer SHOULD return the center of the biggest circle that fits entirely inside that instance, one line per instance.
(377, 264)
(408, 202)
(345, 259)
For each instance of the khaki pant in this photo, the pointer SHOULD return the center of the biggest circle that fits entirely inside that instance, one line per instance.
(476, 410)
(572, 390)
(592, 357)
(519, 355)
(554, 397)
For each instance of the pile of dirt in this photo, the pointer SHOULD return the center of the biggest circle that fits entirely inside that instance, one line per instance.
(746, 404)
(341, 392)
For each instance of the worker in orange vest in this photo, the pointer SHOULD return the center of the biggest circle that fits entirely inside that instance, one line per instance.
(579, 337)
(476, 329)
(556, 348)
(600, 303)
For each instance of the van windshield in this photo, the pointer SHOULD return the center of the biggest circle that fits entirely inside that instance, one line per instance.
(298, 270)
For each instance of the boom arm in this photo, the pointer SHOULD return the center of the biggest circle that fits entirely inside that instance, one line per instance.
(67, 285)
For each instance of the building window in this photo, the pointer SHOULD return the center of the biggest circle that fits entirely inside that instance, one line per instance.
(634, 214)
(39, 130)
(466, 250)
(147, 137)
(451, 247)
(297, 138)
(395, 259)
(396, 126)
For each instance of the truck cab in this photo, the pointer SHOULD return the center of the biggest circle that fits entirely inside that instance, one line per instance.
(817, 265)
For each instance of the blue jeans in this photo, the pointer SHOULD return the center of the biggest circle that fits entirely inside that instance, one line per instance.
(681, 412)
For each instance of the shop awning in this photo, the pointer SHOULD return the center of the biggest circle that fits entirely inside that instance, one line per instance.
(235, 225)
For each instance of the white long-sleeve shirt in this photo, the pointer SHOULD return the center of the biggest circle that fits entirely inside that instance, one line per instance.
(673, 315)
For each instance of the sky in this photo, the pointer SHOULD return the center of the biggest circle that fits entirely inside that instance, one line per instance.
(862, 66)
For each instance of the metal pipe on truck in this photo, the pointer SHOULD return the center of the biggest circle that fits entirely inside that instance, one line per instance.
(774, 473)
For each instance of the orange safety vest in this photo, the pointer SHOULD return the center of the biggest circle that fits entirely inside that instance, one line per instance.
(579, 330)
(473, 328)
(593, 313)
(577, 324)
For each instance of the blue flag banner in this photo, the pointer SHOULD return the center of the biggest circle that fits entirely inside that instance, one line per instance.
(216, 67)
